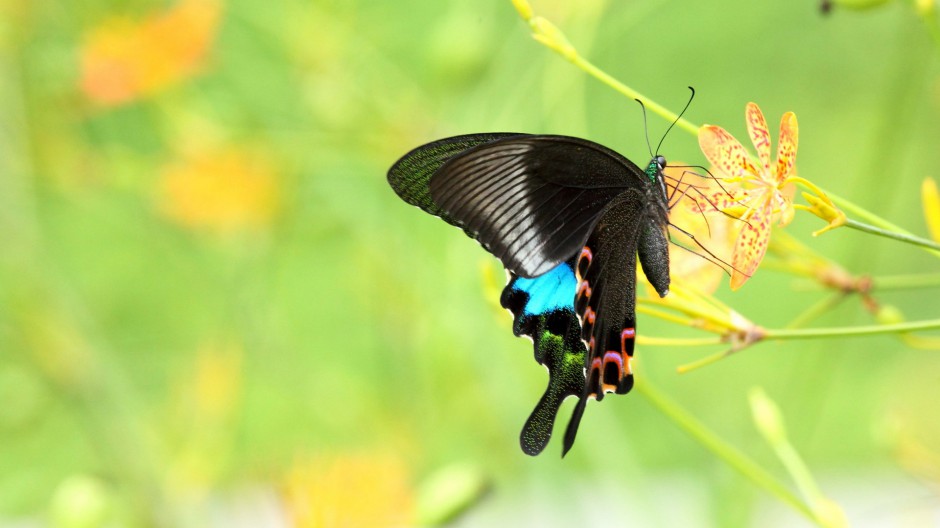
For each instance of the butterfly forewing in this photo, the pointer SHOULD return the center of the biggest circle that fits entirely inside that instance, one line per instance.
(532, 200)
(410, 176)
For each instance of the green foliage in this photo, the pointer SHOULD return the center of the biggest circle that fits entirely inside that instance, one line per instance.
(208, 287)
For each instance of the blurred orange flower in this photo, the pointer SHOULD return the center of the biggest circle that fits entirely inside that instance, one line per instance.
(123, 59)
(350, 490)
(766, 195)
(220, 190)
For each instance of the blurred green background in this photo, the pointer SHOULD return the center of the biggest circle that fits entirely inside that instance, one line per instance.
(214, 311)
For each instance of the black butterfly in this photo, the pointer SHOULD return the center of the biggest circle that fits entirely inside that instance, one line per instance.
(566, 217)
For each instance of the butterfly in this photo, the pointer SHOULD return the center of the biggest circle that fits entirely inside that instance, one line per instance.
(567, 217)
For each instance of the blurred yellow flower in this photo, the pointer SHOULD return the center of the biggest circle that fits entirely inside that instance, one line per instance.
(931, 200)
(766, 197)
(204, 409)
(218, 373)
(222, 190)
(350, 491)
(123, 59)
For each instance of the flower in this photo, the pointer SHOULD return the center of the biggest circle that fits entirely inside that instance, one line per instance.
(931, 201)
(706, 241)
(123, 60)
(765, 196)
(348, 489)
(223, 190)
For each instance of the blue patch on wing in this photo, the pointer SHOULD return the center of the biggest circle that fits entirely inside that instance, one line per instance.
(549, 291)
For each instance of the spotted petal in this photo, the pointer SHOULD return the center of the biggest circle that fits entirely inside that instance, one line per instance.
(751, 245)
(760, 135)
(725, 153)
(786, 150)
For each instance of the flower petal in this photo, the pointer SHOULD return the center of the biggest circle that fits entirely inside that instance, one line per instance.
(712, 235)
(751, 246)
(725, 152)
(786, 150)
(760, 135)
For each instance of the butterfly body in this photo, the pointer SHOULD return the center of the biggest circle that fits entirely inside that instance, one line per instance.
(567, 218)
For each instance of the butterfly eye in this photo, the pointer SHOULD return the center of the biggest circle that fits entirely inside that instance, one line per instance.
(661, 162)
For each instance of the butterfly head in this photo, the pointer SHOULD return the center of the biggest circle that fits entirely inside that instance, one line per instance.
(654, 171)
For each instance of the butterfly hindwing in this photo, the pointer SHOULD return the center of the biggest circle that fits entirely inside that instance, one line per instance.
(605, 298)
(532, 200)
(606, 294)
(543, 309)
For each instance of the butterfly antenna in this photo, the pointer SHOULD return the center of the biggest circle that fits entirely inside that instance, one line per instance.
(710, 175)
(646, 128)
(699, 192)
(685, 192)
(677, 119)
(714, 259)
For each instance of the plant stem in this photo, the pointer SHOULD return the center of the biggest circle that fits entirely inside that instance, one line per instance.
(906, 282)
(723, 450)
(679, 341)
(878, 222)
(550, 36)
(851, 331)
(704, 362)
(816, 333)
(653, 106)
(899, 236)
(824, 305)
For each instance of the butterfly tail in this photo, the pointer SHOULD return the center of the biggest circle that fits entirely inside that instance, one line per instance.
(572, 430)
(542, 309)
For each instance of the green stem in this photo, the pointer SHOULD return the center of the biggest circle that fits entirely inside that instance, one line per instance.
(651, 105)
(899, 236)
(824, 305)
(816, 333)
(884, 227)
(906, 282)
(862, 213)
(723, 450)
(551, 37)
(798, 470)
(852, 331)
(770, 424)
(704, 362)
(679, 341)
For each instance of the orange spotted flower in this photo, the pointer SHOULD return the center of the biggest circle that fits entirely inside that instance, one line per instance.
(763, 198)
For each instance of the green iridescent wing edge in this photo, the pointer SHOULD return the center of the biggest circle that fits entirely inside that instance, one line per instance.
(410, 176)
